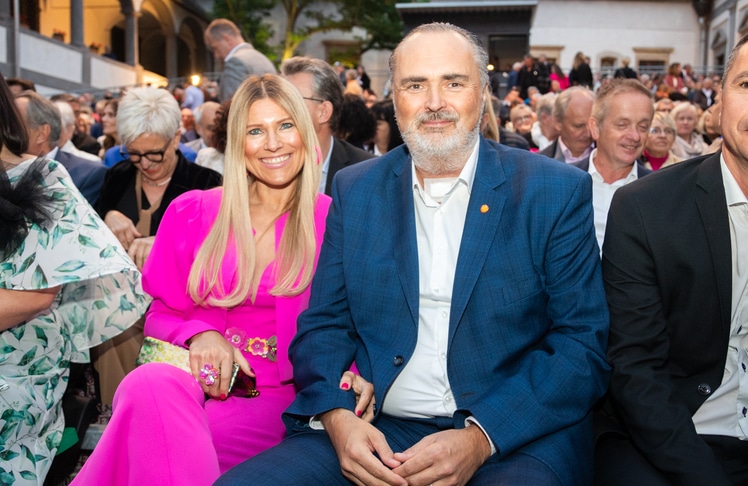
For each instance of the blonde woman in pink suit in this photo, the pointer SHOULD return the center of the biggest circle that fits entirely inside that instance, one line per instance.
(229, 274)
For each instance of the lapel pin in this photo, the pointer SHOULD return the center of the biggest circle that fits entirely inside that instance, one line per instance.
(484, 209)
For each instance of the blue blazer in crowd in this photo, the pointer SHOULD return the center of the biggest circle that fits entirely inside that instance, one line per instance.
(529, 321)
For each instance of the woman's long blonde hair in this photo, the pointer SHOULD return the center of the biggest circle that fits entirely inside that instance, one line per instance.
(294, 262)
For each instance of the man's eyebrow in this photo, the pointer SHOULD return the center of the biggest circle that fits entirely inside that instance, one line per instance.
(445, 77)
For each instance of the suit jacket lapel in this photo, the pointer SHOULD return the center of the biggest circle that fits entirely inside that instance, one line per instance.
(480, 229)
(338, 160)
(712, 204)
(405, 248)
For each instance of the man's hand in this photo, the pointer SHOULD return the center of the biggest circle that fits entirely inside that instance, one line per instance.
(450, 457)
(355, 443)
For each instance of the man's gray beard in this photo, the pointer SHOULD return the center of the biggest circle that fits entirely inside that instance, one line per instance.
(437, 153)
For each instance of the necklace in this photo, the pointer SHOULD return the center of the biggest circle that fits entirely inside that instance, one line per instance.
(154, 184)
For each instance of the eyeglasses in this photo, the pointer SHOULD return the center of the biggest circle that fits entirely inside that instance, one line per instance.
(522, 119)
(660, 131)
(318, 100)
(154, 156)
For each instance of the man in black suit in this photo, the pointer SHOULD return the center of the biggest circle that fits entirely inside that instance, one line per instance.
(44, 126)
(675, 262)
(321, 89)
(619, 124)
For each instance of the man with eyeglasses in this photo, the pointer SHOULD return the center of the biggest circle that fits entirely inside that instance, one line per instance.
(320, 87)
(621, 116)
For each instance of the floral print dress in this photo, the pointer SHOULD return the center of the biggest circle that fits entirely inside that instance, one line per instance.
(100, 296)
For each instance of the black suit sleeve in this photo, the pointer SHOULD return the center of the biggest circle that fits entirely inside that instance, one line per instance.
(641, 387)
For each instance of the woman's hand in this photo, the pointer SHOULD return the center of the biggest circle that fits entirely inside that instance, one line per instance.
(122, 227)
(140, 249)
(210, 350)
(364, 394)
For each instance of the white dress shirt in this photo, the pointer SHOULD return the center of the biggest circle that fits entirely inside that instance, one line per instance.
(602, 195)
(326, 168)
(724, 412)
(422, 388)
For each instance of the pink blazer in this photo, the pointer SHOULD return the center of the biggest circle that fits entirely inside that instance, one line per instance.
(174, 316)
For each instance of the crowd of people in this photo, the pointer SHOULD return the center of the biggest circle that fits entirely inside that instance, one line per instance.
(437, 287)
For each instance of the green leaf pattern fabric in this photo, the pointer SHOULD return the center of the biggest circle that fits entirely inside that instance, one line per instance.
(101, 296)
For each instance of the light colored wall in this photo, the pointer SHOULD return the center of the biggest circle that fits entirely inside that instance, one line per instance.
(49, 57)
(603, 28)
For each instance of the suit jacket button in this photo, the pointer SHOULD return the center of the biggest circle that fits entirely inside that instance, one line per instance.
(398, 360)
(704, 389)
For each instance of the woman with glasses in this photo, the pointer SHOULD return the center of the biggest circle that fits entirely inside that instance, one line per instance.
(134, 198)
(661, 138)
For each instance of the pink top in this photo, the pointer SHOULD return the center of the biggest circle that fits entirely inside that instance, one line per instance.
(174, 316)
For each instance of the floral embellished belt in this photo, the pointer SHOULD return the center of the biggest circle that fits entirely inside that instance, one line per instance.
(265, 348)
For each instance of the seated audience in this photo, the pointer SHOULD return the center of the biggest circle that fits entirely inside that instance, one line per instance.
(66, 286)
(571, 112)
(491, 129)
(109, 137)
(661, 138)
(522, 118)
(134, 198)
(544, 130)
(229, 274)
(675, 272)
(387, 136)
(357, 123)
(463, 279)
(620, 121)
(213, 157)
(44, 126)
(711, 128)
(688, 142)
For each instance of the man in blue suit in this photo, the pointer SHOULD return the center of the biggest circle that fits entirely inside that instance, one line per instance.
(463, 279)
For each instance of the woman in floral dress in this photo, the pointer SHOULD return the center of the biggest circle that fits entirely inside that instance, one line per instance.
(65, 285)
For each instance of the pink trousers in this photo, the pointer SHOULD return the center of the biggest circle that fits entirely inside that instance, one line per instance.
(164, 432)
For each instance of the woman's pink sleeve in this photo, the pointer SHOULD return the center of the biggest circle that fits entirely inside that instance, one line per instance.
(174, 317)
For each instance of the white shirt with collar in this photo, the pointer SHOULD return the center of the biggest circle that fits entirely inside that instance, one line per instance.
(568, 157)
(725, 411)
(602, 195)
(72, 149)
(422, 389)
(326, 168)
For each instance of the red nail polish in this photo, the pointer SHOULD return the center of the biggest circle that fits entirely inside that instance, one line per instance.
(358, 413)
(344, 386)
(223, 396)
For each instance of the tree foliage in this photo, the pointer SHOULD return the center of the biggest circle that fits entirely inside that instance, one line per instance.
(378, 18)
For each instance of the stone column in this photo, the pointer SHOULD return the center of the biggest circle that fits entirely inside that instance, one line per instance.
(76, 23)
(171, 55)
(131, 38)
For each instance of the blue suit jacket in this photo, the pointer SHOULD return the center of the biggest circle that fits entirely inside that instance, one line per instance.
(87, 175)
(528, 322)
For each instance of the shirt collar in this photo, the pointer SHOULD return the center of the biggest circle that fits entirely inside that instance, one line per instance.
(52, 154)
(632, 175)
(233, 51)
(467, 174)
(568, 157)
(733, 194)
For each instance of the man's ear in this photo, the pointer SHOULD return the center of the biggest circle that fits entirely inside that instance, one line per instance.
(594, 128)
(42, 135)
(324, 112)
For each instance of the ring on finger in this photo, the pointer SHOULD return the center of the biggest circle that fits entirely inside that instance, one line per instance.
(209, 373)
